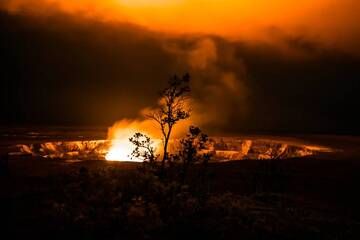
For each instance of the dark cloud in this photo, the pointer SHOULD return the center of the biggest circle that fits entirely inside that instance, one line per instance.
(84, 72)
(64, 70)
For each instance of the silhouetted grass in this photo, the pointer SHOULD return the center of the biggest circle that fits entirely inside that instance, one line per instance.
(106, 202)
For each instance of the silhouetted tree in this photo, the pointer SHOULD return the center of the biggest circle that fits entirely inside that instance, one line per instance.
(144, 149)
(191, 150)
(172, 109)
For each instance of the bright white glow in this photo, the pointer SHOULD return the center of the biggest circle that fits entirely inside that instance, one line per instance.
(121, 151)
(121, 148)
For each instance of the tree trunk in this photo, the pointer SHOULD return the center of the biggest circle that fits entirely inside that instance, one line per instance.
(165, 154)
(166, 143)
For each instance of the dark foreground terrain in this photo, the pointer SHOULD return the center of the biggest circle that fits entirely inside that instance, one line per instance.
(281, 199)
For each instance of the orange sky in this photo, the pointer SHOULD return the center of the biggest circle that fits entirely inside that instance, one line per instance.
(332, 21)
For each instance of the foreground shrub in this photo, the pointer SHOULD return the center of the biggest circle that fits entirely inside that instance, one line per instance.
(141, 205)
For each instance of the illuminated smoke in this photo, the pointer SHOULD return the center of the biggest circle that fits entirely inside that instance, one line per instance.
(331, 22)
(218, 90)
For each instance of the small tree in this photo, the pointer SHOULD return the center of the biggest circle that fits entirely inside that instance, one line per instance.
(144, 149)
(191, 150)
(172, 109)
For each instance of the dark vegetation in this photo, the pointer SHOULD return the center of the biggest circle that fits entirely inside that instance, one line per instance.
(282, 199)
